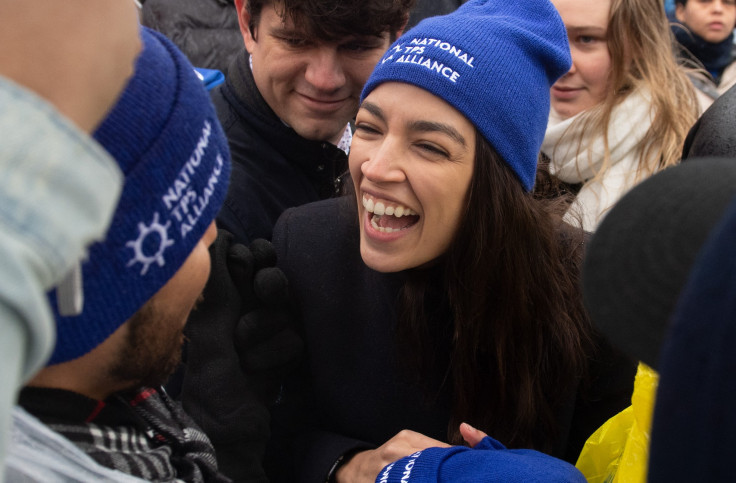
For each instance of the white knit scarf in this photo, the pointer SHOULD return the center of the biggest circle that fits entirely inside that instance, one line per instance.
(578, 160)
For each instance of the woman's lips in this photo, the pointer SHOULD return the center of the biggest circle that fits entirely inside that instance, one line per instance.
(565, 92)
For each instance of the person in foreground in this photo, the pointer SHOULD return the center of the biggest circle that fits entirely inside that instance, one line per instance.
(58, 79)
(101, 387)
(622, 111)
(453, 294)
(663, 289)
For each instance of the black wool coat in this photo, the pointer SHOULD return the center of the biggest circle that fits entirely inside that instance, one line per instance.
(351, 392)
(273, 168)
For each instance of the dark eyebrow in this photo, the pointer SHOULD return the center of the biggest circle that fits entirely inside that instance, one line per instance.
(373, 109)
(423, 126)
(429, 126)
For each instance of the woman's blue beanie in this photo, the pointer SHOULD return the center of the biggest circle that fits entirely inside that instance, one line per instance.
(166, 138)
(494, 61)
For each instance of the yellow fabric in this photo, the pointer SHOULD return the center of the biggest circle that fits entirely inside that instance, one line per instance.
(619, 450)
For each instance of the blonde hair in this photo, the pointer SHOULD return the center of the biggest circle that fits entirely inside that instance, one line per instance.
(641, 47)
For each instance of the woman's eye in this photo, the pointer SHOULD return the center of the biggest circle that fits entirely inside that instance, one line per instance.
(433, 150)
(365, 129)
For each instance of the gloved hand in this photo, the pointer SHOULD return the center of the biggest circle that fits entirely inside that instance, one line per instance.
(240, 344)
(267, 346)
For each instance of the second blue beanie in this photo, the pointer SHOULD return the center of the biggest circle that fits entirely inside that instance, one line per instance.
(492, 60)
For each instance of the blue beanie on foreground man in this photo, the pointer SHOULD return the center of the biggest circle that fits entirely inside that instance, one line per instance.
(120, 333)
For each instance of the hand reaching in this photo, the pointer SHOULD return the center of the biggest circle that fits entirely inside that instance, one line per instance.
(365, 465)
(471, 435)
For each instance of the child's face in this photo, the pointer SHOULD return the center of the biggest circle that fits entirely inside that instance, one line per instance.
(586, 83)
(713, 20)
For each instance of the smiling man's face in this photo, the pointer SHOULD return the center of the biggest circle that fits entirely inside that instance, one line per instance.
(312, 85)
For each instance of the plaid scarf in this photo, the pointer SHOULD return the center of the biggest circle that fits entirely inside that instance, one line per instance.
(143, 433)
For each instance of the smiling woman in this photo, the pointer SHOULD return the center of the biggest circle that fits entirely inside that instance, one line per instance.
(443, 290)
(622, 111)
(411, 173)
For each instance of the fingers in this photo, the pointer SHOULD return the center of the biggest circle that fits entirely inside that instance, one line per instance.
(405, 443)
(366, 465)
(264, 253)
(253, 270)
(271, 287)
(240, 262)
(471, 435)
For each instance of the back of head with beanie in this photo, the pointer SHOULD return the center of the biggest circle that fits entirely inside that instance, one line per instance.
(492, 60)
(166, 138)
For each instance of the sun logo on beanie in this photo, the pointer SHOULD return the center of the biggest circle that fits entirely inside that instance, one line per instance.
(157, 229)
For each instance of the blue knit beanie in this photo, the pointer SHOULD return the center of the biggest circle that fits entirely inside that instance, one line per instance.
(494, 61)
(164, 134)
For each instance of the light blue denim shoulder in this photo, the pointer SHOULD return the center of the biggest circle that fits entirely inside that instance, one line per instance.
(38, 454)
(58, 191)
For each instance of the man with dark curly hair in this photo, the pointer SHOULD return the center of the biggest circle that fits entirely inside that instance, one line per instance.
(289, 97)
(286, 108)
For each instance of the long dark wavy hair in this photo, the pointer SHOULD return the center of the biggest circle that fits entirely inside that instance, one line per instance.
(518, 332)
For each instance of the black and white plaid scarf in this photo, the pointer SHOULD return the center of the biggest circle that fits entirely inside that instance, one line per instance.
(143, 433)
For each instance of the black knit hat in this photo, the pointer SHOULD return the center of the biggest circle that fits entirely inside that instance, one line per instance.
(641, 255)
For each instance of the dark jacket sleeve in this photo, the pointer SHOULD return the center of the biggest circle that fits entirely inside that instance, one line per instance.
(300, 449)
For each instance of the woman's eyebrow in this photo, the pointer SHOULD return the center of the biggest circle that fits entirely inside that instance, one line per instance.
(423, 126)
(373, 109)
(431, 126)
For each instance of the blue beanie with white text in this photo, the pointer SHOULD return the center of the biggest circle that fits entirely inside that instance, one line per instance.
(495, 62)
(164, 134)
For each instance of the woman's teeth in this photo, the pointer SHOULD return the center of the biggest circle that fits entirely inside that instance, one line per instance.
(379, 208)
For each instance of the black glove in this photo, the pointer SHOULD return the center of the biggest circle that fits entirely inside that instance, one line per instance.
(268, 347)
(245, 316)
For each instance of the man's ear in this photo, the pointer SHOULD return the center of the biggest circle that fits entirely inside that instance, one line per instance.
(241, 6)
(400, 32)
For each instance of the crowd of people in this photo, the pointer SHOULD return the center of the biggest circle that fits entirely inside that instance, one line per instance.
(394, 241)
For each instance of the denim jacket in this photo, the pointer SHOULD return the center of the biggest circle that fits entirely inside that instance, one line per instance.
(58, 191)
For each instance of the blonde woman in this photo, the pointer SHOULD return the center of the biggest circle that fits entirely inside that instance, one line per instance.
(622, 111)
